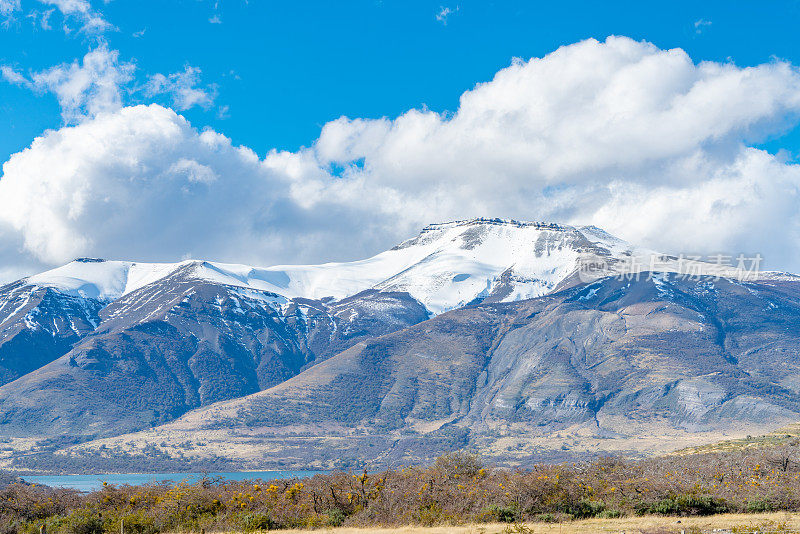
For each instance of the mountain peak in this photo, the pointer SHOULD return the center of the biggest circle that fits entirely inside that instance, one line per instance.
(447, 265)
(482, 221)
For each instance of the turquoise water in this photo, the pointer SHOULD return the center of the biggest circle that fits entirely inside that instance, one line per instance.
(94, 482)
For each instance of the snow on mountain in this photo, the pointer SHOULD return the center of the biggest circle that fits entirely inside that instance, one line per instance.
(100, 279)
(509, 260)
(446, 266)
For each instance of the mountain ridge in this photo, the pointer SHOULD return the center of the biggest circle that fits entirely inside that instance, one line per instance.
(108, 280)
(633, 367)
(445, 266)
(472, 333)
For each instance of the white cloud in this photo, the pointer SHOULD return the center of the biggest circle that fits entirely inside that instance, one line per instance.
(193, 172)
(100, 82)
(41, 18)
(137, 171)
(8, 7)
(91, 21)
(12, 75)
(86, 88)
(638, 140)
(183, 87)
(701, 24)
(141, 182)
(444, 13)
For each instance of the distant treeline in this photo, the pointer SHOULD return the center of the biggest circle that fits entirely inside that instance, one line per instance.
(457, 488)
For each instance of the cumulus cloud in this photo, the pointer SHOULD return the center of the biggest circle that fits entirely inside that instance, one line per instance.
(585, 135)
(141, 170)
(142, 183)
(99, 82)
(83, 88)
(183, 87)
(641, 141)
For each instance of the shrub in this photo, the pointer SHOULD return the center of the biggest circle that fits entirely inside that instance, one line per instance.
(84, 522)
(686, 505)
(609, 514)
(335, 517)
(8, 525)
(503, 514)
(430, 515)
(138, 523)
(456, 489)
(255, 522)
(459, 464)
(760, 505)
(585, 509)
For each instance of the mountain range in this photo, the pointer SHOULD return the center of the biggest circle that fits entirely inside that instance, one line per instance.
(523, 341)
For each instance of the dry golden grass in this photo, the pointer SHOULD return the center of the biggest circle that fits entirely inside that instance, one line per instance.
(782, 436)
(744, 523)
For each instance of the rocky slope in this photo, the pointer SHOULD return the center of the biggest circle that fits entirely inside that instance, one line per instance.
(631, 365)
(180, 343)
(38, 325)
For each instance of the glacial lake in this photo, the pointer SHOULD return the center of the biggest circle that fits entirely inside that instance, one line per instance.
(88, 483)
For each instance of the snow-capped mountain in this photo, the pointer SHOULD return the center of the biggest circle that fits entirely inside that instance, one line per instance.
(39, 324)
(209, 331)
(445, 267)
(96, 348)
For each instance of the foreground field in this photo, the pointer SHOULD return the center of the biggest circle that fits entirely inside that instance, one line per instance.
(760, 483)
(736, 523)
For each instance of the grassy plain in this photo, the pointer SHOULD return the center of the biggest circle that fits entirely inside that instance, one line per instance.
(733, 523)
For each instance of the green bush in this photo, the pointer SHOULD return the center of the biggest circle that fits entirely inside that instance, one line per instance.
(255, 522)
(547, 518)
(430, 515)
(335, 517)
(760, 505)
(609, 514)
(685, 505)
(139, 523)
(585, 509)
(84, 522)
(8, 525)
(503, 514)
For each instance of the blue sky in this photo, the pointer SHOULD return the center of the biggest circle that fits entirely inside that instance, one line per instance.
(283, 69)
(280, 132)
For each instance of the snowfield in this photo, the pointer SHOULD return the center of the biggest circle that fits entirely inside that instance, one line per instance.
(445, 267)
